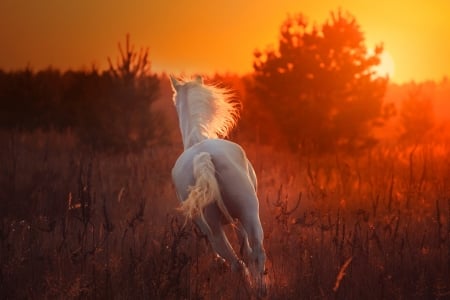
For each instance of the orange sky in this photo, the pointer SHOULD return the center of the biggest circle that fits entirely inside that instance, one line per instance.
(206, 35)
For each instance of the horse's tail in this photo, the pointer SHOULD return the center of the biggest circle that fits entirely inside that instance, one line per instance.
(205, 190)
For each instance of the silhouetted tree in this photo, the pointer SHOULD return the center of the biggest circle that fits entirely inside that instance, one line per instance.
(16, 106)
(124, 121)
(319, 84)
(29, 100)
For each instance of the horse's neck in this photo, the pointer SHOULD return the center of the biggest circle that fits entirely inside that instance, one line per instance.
(193, 137)
(190, 133)
(192, 130)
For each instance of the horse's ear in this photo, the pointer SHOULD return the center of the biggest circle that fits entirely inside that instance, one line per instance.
(199, 79)
(174, 82)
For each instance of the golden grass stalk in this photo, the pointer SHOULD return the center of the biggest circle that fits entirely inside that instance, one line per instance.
(341, 274)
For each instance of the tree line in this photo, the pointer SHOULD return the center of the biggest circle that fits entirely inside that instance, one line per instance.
(316, 91)
(107, 110)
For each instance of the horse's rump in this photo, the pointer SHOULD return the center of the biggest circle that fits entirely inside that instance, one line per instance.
(205, 191)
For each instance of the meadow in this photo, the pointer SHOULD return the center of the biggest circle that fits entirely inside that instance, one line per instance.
(82, 225)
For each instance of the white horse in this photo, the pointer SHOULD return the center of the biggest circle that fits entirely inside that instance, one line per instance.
(213, 178)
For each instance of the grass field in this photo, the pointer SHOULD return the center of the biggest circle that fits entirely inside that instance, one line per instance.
(80, 225)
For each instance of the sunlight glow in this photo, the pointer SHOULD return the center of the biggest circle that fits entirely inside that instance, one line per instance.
(386, 66)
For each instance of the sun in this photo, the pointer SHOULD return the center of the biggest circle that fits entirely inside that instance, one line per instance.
(386, 67)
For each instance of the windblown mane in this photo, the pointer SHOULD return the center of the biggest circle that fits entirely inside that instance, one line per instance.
(212, 110)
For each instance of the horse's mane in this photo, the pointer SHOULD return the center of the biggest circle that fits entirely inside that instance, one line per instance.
(212, 109)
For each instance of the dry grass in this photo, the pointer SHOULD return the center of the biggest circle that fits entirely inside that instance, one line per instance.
(81, 225)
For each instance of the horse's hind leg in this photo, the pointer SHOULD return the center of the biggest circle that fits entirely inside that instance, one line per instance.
(255, 237)
(220, 243)
(257, 257)
(244, 247)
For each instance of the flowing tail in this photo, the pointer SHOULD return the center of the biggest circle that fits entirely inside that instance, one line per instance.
(205, 190)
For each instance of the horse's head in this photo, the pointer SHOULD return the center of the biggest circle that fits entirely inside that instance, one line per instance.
(204, 110)
(175, 82)
(180, 89)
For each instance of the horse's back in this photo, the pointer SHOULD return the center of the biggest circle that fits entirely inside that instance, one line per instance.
(233, 172)
(224, 153)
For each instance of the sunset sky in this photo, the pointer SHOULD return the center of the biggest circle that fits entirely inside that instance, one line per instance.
(204, 36)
